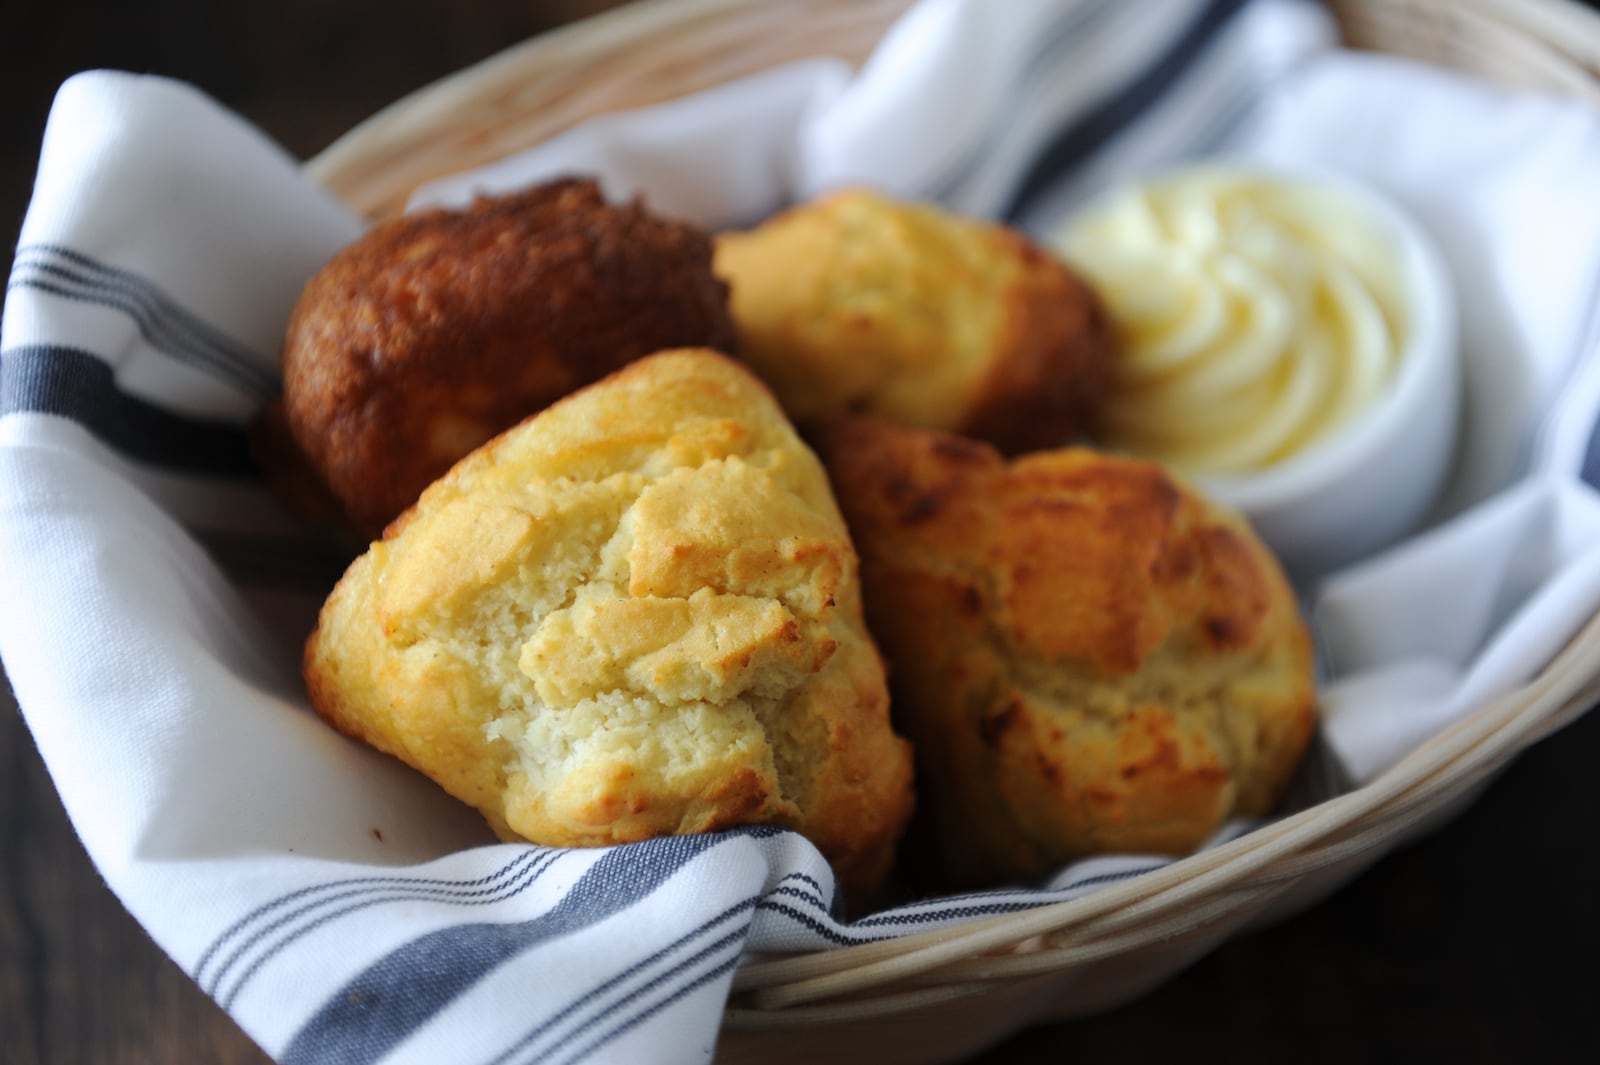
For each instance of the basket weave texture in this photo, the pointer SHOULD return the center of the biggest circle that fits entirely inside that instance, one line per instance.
(926, 997)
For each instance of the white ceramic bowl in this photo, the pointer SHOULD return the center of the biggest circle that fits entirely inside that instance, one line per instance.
(1373, 479)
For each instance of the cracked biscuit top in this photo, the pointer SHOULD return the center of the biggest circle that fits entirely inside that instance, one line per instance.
(1088, 656)
(634, 614)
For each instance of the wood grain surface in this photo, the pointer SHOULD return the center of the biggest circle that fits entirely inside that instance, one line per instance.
(1476, 945)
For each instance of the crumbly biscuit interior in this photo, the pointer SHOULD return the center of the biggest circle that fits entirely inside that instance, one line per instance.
(627, 610)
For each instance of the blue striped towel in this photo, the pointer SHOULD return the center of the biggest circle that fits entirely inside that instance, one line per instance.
(344, 910)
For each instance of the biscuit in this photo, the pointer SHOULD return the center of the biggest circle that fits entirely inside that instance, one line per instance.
(1087, 656)
(856, 303)
(635, 614)
(438, 329)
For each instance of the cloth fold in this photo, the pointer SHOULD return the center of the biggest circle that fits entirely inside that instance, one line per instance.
(343, 909)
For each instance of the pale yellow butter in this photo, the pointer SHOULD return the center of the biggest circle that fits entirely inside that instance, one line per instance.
(1258, 314)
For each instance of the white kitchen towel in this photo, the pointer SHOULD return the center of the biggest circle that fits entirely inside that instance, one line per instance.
(339, 906)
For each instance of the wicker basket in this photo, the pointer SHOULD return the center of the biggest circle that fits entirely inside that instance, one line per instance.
(930, 996)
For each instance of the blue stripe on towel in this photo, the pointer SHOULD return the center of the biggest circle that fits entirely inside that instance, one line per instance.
(266, 910)
(164, 325)
(599, 1003)
(307, 918)
(918, 916)
(1075, 30)
(682, 990)
(79, 386)
(1591, 458)
(1089, 133)
(400, 992)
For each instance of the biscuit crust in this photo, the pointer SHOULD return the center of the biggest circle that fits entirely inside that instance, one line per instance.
(438, 329)
(856, 303)
(1087, 655)
(635, 614)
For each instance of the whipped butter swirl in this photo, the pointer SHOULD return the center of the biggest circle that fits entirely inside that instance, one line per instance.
(1258, 314)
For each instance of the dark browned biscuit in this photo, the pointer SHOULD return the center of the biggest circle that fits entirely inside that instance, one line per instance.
(1086, 655)
(436, 330)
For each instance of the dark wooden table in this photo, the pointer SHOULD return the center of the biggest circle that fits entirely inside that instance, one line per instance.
(1477, 945)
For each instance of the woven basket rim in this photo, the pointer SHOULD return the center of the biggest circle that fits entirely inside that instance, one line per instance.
(504, 86)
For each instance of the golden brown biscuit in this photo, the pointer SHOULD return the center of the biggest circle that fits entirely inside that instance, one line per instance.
(436, 330)
(857, 303)
(1086, 655)
(635, 614)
